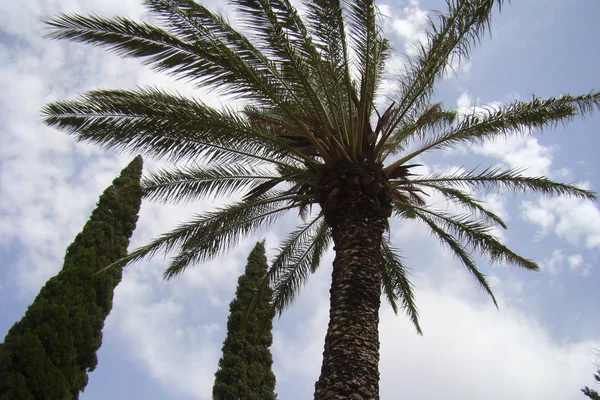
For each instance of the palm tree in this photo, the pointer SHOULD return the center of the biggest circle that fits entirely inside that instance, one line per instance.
(310, 139)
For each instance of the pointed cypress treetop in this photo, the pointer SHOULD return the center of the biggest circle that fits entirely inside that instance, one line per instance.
(47, 354)
(245, 367)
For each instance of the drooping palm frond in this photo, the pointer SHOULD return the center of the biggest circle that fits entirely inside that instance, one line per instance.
(476, 235)
(299, 256)
(396, 285)
(510, 179)
(210, 234)
(459, 252)
(467, 201)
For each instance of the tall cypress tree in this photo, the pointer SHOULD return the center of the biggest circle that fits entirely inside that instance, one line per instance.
(47, 354)
(245, 367)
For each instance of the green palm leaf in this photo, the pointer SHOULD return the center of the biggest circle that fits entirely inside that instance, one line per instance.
(210, 61)
(299, 256)
(194, 22)
(511, 179)
(194, 183)
(418, 126)
(372, 50)
(476, 235)
(512, 119)
(467, 201)
(210, 234)
(166, 125)
(396, 285)
(449, 41)
(281, 35)
(460, 253)
(327, 28)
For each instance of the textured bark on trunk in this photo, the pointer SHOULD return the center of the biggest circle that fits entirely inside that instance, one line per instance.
(351, 356)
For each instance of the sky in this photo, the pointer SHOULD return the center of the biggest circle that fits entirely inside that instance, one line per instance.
(163, 338)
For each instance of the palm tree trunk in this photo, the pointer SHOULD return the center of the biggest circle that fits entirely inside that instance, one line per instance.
(351, 356)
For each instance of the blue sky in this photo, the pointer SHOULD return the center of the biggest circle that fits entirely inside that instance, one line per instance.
(163, 339)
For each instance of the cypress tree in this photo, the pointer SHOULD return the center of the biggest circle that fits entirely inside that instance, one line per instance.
(47, 354)
(245, 367)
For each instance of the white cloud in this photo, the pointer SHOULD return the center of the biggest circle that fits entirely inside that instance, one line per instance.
(575, 221)
(578, 265)
(410, 26)
(537, 215)
(559, 261)
(158, 333)
(519, 152)
(464, 102)
(473, 351)
(516, 151)
(405, 25)
(575, 260)
(555, 263)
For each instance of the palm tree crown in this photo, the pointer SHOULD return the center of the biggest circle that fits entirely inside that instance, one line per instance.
(309, 135)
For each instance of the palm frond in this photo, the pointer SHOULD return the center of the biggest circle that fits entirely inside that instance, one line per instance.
(396, 285)
(327, 28)
(433, 118)
(477, 236)
(298, 257)
(449, 41)
(241, 60)
(283, 37)
(460, 253)
(511, 179)
(211, 233)
(332, 80)
(208, 59)
(194, 22)
(201, 61)
(467, 201)
(177, 185)
(155, 122)
(372, 50)
(515, 118)
(221, 230)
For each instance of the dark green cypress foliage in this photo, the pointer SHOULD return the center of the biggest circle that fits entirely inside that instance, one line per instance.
(47, 354)
(245, 367)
